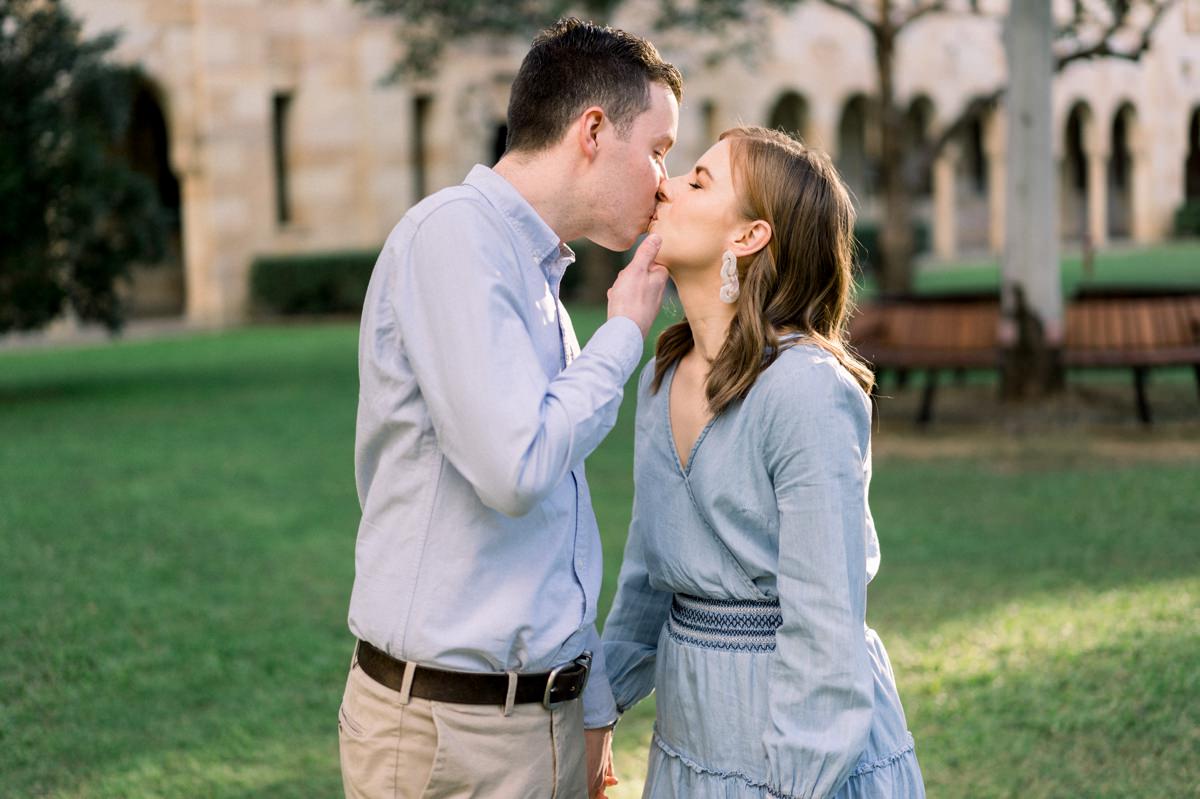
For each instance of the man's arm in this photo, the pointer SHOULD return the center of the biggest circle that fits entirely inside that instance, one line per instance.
(514, 434)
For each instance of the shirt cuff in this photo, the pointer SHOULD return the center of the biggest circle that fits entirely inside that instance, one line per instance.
(599, 706)
(620, 338)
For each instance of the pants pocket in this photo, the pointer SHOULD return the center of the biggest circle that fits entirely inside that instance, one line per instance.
(386, 748)
(481, 753)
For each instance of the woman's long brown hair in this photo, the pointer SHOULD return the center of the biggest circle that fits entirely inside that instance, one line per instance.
(799, 283)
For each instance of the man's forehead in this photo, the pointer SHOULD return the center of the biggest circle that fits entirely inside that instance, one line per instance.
(663, 113)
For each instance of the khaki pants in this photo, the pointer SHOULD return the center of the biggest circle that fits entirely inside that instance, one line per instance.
(435, 750)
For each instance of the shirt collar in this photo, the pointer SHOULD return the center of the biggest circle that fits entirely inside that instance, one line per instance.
(551, 255)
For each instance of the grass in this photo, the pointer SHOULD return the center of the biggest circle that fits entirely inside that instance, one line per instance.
(1171, 264)
(177, 524)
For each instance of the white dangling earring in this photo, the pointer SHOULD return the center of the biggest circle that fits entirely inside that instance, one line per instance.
(730, 288)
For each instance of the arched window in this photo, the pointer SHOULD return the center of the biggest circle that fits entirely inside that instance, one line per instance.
(499, 142)
(856, 159)
(1191, 183)
(918, 120)
(790, 114)
(155, 289)
(1073, 201)
(1120, 173)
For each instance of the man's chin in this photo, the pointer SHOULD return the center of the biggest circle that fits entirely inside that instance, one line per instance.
(617, 244)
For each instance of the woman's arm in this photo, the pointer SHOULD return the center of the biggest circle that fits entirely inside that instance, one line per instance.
(639, 611)
(821, 686)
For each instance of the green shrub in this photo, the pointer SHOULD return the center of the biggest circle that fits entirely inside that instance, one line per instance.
(868, 255)
(1187, 219)
(318, 283)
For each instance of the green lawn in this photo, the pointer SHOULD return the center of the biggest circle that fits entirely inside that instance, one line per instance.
(1174, 263)
(176, 552)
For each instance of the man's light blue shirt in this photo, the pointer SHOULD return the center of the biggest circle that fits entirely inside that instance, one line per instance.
(478, 548)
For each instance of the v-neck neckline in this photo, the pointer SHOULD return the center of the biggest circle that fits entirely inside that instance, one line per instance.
(684, 469)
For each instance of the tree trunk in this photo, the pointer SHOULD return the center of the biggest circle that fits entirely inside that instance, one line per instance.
(896, 235)
(1031, 332)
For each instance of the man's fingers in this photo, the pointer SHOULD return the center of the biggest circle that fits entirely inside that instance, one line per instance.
(647, 251)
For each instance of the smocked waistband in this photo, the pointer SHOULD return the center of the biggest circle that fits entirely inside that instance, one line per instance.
(738, 625)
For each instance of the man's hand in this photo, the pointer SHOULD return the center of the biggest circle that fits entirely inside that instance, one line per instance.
(599, 761)
(638, 290)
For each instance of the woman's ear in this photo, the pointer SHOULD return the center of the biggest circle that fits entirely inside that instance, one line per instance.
(753, 237)
(587, 128)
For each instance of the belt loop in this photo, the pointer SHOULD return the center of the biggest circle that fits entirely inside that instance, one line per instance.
(354, 655)
(410, 668)
(511, 699)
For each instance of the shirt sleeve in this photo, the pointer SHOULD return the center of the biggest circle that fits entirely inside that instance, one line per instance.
(820, 687)
(639, 610)
(462, 307)
(599, 710)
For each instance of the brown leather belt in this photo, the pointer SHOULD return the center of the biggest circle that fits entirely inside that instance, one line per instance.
(474, 688)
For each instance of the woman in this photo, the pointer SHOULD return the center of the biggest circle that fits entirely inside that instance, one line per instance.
(742, 597)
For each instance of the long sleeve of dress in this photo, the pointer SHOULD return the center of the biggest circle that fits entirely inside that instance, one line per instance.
(820, 689)
(639, 611)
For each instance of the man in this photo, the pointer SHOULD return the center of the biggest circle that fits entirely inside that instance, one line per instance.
(478, 558)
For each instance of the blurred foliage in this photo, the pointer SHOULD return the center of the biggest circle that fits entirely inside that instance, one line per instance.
(318, 283)
(76, 217)
(868, 252)
(427, 26)
(1187, 219)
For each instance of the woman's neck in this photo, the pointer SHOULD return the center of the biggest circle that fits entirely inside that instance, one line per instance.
(706, 314)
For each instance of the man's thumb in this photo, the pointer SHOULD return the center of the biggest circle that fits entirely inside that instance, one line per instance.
(647, 251)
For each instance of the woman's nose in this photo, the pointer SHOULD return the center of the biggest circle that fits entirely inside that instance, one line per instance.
(661, 194)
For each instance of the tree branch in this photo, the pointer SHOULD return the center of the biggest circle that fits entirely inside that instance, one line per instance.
(1104, 49)
(850, 8)
(940, 5)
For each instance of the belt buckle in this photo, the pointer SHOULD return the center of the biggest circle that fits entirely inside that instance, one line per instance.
(584, 661)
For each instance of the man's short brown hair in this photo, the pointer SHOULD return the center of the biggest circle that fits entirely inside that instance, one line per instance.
(574, 65)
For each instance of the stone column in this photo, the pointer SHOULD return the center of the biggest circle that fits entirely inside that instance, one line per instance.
(1143, 226)
(995, 147)
(945, 223)
(1097, 196)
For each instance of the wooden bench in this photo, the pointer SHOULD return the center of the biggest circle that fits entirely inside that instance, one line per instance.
(1125, 328)
(928, 335)
(1131, 332)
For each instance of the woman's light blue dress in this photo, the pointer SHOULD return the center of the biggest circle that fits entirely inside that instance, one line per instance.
(742, 597)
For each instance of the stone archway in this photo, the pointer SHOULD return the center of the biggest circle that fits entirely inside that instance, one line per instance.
(1120, 173)
(918, 123)
(499, 141)
(857, 156)
(790, 114)
(1073, 196)
(972, 179)
(156, 290)
(1191, 169)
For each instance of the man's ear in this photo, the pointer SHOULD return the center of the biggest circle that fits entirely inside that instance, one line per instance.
(587, 130)
(752, 237)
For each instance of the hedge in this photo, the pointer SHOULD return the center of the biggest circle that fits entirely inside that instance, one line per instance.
(317, 283)
(1187, 219)
(869, 256)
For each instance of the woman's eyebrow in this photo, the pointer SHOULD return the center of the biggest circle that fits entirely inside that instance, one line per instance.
(698, 169)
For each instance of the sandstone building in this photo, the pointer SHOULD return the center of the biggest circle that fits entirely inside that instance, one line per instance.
(268, 127)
